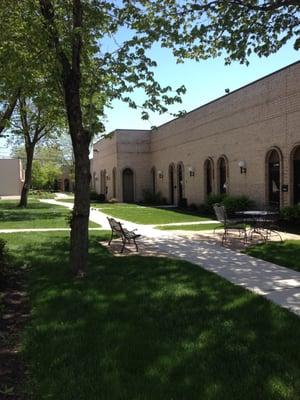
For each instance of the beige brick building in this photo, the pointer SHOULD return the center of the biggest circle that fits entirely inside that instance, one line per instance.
(11, 177)
(246, 142)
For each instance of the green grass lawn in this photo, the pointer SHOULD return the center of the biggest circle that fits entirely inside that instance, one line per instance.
(194, 227)
(149, 328)
(286, 254)
(148, 215)
(36, 215)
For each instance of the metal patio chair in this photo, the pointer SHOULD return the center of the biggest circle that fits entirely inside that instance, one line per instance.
(229, 224)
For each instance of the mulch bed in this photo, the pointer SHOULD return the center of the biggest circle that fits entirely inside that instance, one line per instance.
(14, 313)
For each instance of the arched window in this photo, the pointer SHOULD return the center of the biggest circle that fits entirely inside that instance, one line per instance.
(103, 182)
(295, 174)
(153, 180)
(223, 175)
(171, 184)
(128, 185)
(114, 182)
(180, 181)
(273, 172)
(208, 176)
(94, 181)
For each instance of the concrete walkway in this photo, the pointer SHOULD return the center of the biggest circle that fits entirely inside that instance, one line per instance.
(278, 284)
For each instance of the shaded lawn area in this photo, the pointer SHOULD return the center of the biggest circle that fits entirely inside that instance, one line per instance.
(194, 227)
(148, 215)
(149, 328)
(36, 215)
(286, 254)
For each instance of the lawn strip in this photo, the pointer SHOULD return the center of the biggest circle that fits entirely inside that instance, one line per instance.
(148, 215)
(36, 215)
(286, 254)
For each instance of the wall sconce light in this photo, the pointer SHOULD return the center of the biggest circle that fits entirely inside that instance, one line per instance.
(192, 171)
(243, 167)
(160, 174)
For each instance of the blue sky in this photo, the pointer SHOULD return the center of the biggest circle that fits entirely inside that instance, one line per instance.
(204, 80)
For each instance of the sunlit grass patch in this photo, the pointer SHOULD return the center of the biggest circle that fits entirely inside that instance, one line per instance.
(148, 215)
(286, 254)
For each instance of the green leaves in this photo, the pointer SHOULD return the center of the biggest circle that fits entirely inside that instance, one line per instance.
(115, 41)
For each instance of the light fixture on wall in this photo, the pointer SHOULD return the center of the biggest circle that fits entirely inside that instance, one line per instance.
(160, 174)
(243, 167)
(192, 171)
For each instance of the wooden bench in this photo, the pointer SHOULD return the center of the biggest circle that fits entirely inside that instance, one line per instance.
(118, 230)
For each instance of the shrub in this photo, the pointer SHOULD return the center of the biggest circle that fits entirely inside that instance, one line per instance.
(101, 198)
(237, 203)
(98, 198)
(41, 194)
(182, 203)
(193, 207)
(291, 214)
(152, 198)
(207, 206)
(231, 203)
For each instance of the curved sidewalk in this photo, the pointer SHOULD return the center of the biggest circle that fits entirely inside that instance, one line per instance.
(279, 284)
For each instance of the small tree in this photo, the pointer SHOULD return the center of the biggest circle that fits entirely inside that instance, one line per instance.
(32, 124)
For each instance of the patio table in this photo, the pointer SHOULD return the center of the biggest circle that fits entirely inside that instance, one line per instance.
(261, 222)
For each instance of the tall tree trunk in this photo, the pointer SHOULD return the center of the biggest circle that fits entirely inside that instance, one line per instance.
(28, 176)
(71, 81)
(81, 210)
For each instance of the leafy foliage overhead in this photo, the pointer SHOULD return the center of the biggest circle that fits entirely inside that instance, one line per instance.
(116, 37)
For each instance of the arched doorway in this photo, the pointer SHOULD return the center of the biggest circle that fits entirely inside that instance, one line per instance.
(208, 177)
(66, 185)
(222, 175)
(114, 182)
(153, 180)
(296, 175)
(56, 185)
(180, 182)
(103, 182)
(128, 186)
(273, 164)
(171, 184)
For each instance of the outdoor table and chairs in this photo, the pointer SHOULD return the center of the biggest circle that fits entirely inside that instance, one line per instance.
(261, 222)
(248, 223)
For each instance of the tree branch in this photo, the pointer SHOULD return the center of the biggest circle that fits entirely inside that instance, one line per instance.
(9, 110)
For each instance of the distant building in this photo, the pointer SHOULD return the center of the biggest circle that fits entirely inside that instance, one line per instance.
(11, 177)
(244, 143)
(65, 183)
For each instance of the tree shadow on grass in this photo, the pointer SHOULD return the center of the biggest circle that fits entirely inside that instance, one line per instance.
(151, 328)
(9, 212)
(32, 205)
